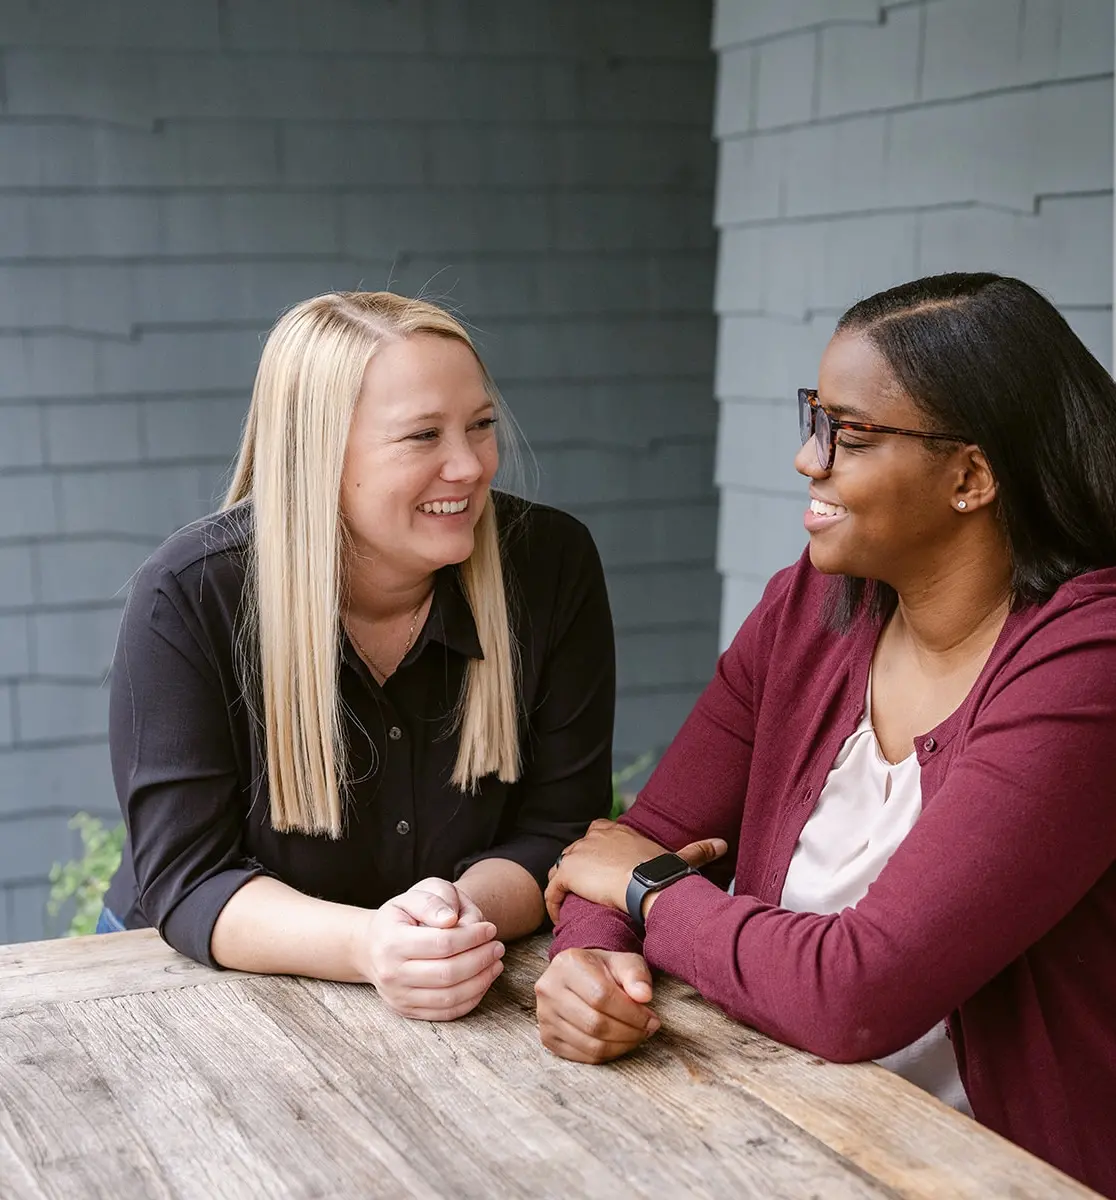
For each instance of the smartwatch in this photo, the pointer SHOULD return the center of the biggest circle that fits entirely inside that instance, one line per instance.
(651, 876)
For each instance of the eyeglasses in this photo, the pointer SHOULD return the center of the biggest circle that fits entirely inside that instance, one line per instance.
(814, 421)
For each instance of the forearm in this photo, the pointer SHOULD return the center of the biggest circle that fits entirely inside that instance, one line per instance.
(507, 894)
(270, 929)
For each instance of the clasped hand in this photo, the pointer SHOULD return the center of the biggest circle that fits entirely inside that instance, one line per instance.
(430, 953)
(600, 865)
(595, 1005)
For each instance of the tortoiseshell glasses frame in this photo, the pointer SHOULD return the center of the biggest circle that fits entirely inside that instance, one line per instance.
(814, 421)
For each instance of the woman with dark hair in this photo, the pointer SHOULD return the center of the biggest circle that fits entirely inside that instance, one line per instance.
(906, 753)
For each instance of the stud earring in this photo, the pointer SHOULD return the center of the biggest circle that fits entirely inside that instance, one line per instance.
(962, 504)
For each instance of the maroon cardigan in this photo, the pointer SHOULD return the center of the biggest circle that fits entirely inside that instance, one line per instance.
(997, 911)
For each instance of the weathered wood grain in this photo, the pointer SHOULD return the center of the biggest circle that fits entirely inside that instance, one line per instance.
(528, 1124)
(85, 968)
(127, 1072)
(896, 1133)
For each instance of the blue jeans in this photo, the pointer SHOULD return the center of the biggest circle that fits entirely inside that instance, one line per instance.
(109, 922)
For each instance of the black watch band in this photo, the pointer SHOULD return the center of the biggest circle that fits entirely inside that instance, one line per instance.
(652, 876)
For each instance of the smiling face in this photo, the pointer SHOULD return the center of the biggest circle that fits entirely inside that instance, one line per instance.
(885, 509)
(420, 457)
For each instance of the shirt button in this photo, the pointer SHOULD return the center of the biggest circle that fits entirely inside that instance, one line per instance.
(929, 745)
(395, 733)
(402, 828)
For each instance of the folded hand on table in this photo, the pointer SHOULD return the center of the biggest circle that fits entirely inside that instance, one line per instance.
(430, 953)
(593, 1005)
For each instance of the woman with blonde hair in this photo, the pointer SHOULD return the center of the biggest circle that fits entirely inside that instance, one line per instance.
(357, 713)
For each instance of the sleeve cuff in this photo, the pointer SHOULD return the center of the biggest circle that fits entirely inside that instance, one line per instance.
(585, 926)
(535, 855)
(188, 927)
(674, 922)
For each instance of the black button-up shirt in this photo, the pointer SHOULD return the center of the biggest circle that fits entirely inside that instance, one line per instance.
(189, 757)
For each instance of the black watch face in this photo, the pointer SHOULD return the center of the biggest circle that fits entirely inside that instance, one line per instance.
(657, 871)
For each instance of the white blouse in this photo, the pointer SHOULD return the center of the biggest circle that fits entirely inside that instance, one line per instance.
(866, 808)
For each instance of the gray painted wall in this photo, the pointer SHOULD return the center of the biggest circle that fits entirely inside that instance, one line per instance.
(173, 175)
(862, 144)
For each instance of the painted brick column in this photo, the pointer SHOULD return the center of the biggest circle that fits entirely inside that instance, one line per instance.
(866, 143)
(173, 175)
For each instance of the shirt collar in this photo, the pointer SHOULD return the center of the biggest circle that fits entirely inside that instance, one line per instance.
(449, 622)
(451, 619)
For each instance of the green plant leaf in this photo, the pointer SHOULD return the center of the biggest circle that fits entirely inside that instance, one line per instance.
(84, 880)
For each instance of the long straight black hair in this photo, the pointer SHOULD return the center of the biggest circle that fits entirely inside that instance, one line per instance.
(990, 359)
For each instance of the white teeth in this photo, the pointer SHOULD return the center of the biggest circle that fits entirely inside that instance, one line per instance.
(821, 509)
(440, 507)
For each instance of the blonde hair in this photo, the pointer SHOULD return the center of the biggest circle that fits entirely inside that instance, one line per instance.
(289, 466)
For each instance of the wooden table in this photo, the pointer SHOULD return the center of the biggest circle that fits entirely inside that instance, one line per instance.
(129, 1071)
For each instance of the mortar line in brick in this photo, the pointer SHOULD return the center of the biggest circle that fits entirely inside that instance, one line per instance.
(67, 539)
(648, 444)
(32, 647)
(742, 489)
(13, 714)
(66, 609)
(918, 106)
(387, 187)
(24, 814)
(93, 399)
(753, 86)
(644, 506)
(20, 882)
(498, 321)
(113, 398)
(1058, 30)
(920, 61)
(131, 466)
(61, 744)
(460, 258)
(59, 503)
(668, 567)
(279, 149)
(141, 431)
(44, 441)
(694, 58)
(855, 214)
(468, 126)
(802, 30)
(35, 567)
(507, 382)
(97, 681)
(222, 15)
(657, 627)
(665, 689)
(1021, 27)
(76, 741)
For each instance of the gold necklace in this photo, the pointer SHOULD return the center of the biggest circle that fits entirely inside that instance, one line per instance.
(410, 638)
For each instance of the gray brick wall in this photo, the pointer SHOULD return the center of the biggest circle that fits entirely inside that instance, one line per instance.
(172, 176)
(865, 143)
